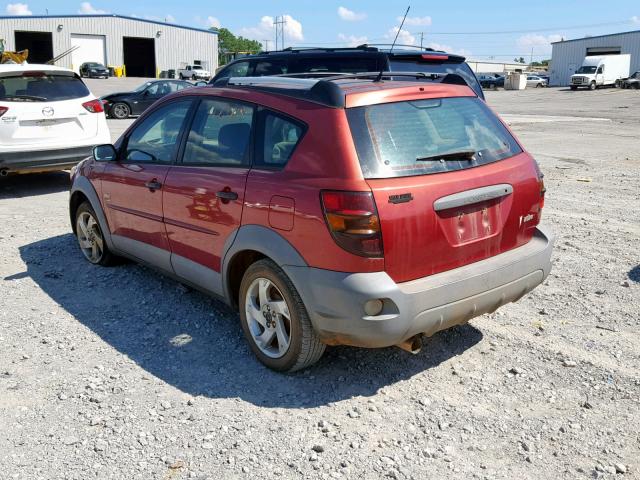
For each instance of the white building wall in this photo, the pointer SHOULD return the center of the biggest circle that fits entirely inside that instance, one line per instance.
(175, 46)
(567, 56)
(480, 66)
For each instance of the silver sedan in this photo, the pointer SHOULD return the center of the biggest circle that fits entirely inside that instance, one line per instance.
(535, 81)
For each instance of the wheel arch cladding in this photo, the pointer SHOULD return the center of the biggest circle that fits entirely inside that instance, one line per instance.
(82, 190)
(250, 244)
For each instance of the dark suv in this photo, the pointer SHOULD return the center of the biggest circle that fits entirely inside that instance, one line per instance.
(365, 58)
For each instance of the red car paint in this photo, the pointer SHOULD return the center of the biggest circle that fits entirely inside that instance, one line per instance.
(185, 216)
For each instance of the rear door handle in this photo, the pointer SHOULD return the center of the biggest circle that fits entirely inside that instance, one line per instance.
(153, 185)
(227, 195)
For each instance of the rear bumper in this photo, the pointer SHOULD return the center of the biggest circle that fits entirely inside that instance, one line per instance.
(335, 300)
(42, 160)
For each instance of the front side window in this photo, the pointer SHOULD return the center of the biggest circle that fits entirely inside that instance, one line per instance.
(155, 139)
(421, 137)
(238, 69)
(220, 134)
(280, 137)
(41, 87)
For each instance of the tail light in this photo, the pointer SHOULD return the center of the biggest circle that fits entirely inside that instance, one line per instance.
(93, 106)
(352, 219)
(3, 110)
(542, 189)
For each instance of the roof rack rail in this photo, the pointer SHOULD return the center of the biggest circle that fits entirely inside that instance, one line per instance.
(321, 87)
(361, 48)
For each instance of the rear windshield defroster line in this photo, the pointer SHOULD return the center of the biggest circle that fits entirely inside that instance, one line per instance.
(422, 137)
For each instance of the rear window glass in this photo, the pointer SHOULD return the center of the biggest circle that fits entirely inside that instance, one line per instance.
(461, 69)
(422, 137)
(41, 87)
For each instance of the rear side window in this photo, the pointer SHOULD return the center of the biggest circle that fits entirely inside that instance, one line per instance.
(334, 64)
(423, 137)
(270, 67)
(461, 69)
(280, 136)
(41, 87)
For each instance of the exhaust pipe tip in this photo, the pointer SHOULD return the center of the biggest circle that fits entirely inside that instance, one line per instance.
(4, 172)
(412, 345)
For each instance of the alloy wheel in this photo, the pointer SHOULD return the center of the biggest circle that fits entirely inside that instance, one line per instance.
(268, 318)
(89, 237)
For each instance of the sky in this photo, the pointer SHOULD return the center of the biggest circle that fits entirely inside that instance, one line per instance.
(501, 31)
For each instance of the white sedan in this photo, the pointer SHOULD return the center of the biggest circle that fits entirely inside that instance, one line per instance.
(49, 120)
(535, 81)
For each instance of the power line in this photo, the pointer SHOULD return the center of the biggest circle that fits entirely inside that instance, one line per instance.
(537, 30)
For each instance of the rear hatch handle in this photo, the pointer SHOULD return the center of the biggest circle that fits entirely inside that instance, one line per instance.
(469, 197)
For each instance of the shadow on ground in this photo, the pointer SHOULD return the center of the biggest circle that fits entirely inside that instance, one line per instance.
(634, 274)
(32, 184)
(195, 343)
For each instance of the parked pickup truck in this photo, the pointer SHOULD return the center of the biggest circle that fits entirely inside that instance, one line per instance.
(194, 72)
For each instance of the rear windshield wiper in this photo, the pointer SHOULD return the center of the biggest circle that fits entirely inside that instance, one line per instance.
(449, 157)
(26, 98)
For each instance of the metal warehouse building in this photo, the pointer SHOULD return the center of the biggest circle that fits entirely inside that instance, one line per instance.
(143, 48)
(567, 56)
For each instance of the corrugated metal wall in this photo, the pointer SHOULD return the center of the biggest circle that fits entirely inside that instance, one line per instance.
(567, 57)
(174, 46)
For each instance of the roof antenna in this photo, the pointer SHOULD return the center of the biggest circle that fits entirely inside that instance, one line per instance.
(379, 77)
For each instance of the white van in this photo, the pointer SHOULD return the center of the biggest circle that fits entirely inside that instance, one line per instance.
(49, 120)
(601, 71)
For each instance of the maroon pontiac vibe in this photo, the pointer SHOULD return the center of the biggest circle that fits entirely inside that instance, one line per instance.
(354, 209)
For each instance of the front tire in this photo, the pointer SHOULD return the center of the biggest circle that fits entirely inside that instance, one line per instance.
(592, 86)
(275, 321)
(90, 237)
(120, 111)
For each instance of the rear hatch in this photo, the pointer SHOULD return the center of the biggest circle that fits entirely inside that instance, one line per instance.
(45, 107)
(434, 62)
(451, 184)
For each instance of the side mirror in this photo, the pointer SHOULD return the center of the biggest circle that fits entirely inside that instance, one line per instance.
(105, 153)
(145, 93)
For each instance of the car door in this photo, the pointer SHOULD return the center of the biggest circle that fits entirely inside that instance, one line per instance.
(147, 98)
(204, 192)
(133, 186)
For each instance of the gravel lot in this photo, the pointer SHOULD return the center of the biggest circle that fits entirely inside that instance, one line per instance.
(121, 373)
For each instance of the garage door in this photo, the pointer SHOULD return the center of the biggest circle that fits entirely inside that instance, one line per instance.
(91, 48)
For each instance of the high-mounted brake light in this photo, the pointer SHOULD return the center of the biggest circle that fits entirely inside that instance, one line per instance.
(93, 106)
(352, 219)
(3, 110)
(437, 58)
(34, 74)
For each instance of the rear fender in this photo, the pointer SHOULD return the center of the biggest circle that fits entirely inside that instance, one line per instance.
(262, 240)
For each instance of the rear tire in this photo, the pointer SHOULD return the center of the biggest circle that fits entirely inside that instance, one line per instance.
(275, 321)
(120, 111)
(91, 239)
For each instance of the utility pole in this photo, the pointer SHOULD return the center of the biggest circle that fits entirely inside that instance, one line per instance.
(531, 62)
(266, 44)
(279, 23)
(421, 39)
